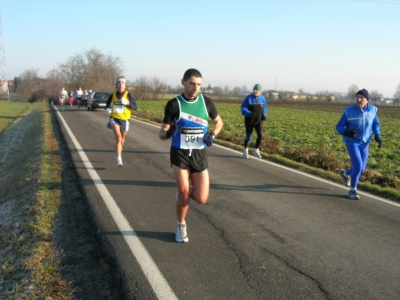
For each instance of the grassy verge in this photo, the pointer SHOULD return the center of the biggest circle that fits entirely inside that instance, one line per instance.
(226, 140)
(30, 183)
(388, 193)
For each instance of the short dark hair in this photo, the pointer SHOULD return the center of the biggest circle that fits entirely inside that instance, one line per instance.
(191, 72)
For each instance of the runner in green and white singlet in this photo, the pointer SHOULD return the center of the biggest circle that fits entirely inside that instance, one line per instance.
(186, 121)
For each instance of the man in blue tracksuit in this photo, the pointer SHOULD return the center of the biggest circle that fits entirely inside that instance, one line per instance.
(254, 109)
(356, 125)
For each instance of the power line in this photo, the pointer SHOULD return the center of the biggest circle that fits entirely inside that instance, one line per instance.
(397, 2)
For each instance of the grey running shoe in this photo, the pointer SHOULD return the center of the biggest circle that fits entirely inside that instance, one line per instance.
(246, 153)
(181, 235)
(353, 195)
(256, 153)
(346, 178)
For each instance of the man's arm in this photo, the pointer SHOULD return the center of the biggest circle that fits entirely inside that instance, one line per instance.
(244, 108)
(132, 102)
(163, 131)
(108, 104)
(218, 123)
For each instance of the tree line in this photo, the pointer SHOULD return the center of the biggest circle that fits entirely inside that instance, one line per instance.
(93, 70)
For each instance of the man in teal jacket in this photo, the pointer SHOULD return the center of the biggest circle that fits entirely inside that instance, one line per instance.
(254, 109)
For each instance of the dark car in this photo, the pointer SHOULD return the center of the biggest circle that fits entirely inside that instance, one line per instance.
(97, 100)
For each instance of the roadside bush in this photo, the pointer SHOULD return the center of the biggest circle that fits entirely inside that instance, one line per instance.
(39, 96)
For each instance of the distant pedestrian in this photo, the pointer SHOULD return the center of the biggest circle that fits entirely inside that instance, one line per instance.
(71, 98)
(61, 102)
(186, 123)
(63, 97)
(357, 124)
(63, 94)
(85, 98)
(119, 106)
(79, 95)
(254, 109)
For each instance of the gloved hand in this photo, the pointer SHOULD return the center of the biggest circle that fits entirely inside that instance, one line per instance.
(351, 133)
(209, 138)
(263, 118)
(378, 140)
(124, 101)
(173, 129)
(108, 110)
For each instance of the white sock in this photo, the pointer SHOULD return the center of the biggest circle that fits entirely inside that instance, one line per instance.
(183, 223)
(119, 158)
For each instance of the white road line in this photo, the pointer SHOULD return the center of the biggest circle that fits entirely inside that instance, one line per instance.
(157, 281)
(293, 170)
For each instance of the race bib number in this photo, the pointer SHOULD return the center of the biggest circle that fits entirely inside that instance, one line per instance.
(192, 138)
(118, 108)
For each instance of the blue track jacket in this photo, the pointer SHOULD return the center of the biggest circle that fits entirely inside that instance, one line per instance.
(253, 104)
(364, 121)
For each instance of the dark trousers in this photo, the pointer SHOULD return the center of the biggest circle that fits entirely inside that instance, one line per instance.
(249, 130)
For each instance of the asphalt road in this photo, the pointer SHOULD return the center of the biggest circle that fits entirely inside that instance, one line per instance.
(266, 232)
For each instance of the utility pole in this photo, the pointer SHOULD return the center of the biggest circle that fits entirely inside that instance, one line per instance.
(4, 92)
(275, 94)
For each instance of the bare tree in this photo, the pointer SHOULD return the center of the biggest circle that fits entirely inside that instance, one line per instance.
(54, 82)
(236, 91)
(352, 92)
(375, 96)
(227, 91)
(218, 91)
(396, 95)
(177, 90)
(157, 87)
(92, 69)
(30, 83)
(142, 88)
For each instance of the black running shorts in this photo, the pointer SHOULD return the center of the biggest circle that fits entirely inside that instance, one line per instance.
(195, 162)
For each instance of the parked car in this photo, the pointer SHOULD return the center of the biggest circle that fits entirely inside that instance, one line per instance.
(97, 100)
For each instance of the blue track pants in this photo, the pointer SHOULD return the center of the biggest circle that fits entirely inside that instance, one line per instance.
(359, 157)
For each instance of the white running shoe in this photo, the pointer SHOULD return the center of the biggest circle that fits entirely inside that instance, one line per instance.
(180, 234)
(256, 153)
(246, 153)
(346, 178)
(119, 163)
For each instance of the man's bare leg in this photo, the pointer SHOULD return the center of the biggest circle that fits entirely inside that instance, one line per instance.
(198, 191)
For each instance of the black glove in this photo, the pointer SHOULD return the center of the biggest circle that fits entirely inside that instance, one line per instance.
(173, 129)
(263, 118)
(378, 140)
(351, 133)
(209, 138)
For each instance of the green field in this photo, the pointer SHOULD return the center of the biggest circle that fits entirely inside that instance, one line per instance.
(9, 111)
(305, 132)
